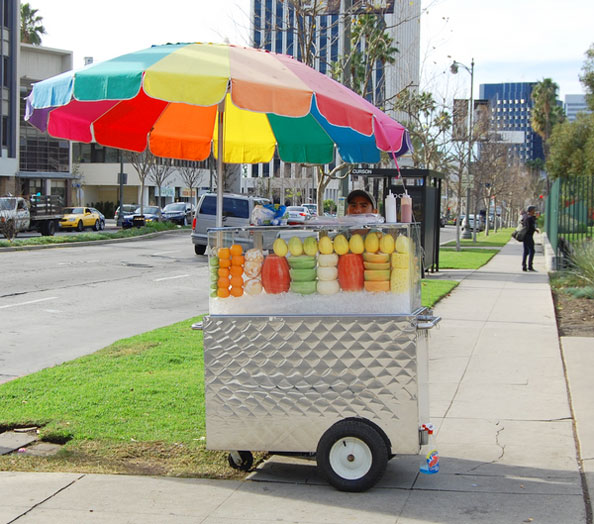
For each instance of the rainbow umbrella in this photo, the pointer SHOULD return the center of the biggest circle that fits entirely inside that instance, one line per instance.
(185, 100)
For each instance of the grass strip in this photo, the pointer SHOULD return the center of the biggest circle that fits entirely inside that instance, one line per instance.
(465, 258)
(432, 291)
(498, 239)
(153, 227)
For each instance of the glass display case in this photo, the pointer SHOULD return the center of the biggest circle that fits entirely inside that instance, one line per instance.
(321, 269)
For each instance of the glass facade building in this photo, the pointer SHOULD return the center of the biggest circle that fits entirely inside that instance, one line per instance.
(511, 110)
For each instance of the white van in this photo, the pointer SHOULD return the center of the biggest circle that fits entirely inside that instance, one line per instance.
(237, 210)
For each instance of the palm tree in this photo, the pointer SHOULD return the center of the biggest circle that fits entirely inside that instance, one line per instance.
(545, 112)
(31, 25)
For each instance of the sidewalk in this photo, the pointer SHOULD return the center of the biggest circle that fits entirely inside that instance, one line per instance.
(499, 400)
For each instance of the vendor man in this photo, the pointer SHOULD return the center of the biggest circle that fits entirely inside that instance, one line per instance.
(360, 202)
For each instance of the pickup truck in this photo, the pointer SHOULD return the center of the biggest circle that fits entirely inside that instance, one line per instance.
(42, 213)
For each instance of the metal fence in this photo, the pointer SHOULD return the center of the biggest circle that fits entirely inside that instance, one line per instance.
(569, 214)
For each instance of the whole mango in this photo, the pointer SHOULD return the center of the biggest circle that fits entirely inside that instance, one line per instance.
(295, 246)
(325, 245)
(310, 246)
(280, 247)
(387, 244)
(356, 244)
(341, 245)
(371, 242)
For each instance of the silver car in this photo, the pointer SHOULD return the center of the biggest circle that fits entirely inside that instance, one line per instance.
(297, 215)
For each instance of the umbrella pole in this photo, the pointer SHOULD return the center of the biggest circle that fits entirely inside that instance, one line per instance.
(220, 184)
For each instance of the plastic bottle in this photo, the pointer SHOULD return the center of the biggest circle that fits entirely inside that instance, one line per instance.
(390, 208)
(405, 209)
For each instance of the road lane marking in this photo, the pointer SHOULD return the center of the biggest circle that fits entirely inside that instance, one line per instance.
(170, 278)
(29, 302)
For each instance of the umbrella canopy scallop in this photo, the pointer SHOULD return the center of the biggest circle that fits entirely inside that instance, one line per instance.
(169, 98)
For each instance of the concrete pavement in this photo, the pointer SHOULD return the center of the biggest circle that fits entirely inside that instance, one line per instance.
(510, 451)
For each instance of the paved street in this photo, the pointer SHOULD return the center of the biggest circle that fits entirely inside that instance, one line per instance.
(60, 303)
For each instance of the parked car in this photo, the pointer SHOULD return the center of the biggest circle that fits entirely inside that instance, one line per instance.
(127, 209)
(79, 218)
(312, 208)
(237, 212)
(178, 212)
(101, 218)
(297, 215)
(150, 214)
(443, 221)
(480, 226)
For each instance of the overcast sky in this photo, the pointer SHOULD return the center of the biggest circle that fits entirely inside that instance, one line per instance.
(510, 40)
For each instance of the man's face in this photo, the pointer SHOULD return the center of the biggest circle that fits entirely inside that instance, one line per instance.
(359, 205)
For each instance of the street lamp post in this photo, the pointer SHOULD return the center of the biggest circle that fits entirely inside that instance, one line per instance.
(454, 69)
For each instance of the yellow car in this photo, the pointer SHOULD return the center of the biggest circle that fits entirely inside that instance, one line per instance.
(80, 217)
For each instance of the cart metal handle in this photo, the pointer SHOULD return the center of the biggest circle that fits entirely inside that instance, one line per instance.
(427, 321)
(197, 326)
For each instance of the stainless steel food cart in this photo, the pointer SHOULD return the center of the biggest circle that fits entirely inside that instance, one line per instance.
(323, 375)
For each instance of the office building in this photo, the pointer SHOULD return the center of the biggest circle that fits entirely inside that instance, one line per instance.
(511, 110)
(9, 109)
(575, 104)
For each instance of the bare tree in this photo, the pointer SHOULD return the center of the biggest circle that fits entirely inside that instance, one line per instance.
(191, 174)
(159, 172)
(142, 163)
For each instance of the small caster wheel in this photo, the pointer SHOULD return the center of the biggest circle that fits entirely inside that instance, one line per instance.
(241, 460)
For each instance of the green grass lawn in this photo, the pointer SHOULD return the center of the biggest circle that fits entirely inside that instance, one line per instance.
(89, 237)
(135, 407)
(498, 239)
(465, 258)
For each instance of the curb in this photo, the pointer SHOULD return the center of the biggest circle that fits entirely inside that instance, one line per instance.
(95, 242)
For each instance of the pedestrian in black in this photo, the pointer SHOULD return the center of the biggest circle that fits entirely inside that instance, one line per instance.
(529, 222)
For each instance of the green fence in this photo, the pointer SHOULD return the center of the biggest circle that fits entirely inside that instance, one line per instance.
(569, 215)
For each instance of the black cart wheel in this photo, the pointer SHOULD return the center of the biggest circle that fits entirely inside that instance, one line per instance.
(199, 250)
(241, 460)
(352, 455)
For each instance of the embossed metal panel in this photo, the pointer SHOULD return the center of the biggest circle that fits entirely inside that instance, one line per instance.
(278, 383)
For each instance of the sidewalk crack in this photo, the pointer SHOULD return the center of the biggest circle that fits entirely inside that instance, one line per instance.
(46, 499)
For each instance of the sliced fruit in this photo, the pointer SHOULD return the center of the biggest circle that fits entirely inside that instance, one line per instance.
(304, 288)
(325, 245)
(223, 282)
(236, 291)
(310, 246)
(213, 261)
(399, 280)
(280, 247)
(327, 273)
(376, 257)
(377, 285)
(356, 244)
(327, 287)
(371, 242)
(302, 275)
(341, 245)
(253, 287)
(275, 274)
(328, 260)
(295, 246)
(235, 250)
(350, 272)
(376, 265)
(387, 244)
(236, 282)
(224, 252)
(302, 262)
(400, 260)
(237, 260)
(402, 244)
(223, 292)
(377, 274)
